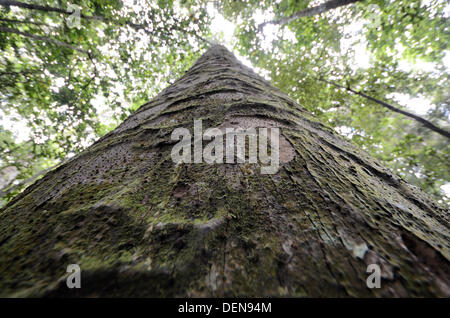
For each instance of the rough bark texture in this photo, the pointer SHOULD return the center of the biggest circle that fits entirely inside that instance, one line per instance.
(138, 225)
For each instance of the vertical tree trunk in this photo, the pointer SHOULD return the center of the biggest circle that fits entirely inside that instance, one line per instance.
(140, 225)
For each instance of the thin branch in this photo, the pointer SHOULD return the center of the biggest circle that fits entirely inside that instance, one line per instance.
(177, 28)
(23, 5)
(43, 38)
(23, 22)
(417, 118)
(309, 12)
(136, 27)
(24, 72)
(8, 189)
(200, 38)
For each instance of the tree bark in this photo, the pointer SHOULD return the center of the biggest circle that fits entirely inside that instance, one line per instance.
(139, 225)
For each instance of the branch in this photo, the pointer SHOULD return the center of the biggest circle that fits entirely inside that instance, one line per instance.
(136, 27)
(23, 22)
(200, 38)
(197, 36)
(23, 5)
(417, 118)
(43, 38)
(309, 12)
(5, 191)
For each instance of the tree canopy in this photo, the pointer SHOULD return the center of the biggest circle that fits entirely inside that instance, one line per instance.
(71, 72)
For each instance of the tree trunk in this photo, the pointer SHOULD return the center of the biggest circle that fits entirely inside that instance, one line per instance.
(137, 224)
(309, 12)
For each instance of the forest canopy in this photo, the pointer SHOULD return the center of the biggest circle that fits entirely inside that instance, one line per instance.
(375, 71)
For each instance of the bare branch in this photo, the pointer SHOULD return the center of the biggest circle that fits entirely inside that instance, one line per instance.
(23, 22)
(9, 189)
(417, 118)
(23, 5)
(136, 27)
(309, 12)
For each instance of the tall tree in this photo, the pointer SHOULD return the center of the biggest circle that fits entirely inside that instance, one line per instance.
(392, 51)
(71, 76)
(309, 12)
(140, 225)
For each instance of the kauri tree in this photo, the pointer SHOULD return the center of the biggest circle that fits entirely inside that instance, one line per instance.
(140, 225)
